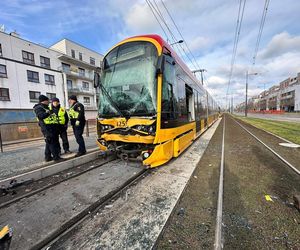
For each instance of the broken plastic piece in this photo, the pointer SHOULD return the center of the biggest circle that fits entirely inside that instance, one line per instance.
(268, 198)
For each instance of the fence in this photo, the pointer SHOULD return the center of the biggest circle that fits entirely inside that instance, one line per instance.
(22, 132)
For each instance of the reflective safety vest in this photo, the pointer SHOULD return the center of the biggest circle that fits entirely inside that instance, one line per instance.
(72, 113)
(51, 119)
(60, 116)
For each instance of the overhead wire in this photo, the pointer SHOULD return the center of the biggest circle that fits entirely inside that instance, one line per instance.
(159, 17)
(157, 20)
(239, 22)
(261, 27)
(179, 32)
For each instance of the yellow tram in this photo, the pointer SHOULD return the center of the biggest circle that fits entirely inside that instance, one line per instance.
(151, 106)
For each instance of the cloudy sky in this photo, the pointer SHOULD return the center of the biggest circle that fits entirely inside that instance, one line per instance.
(208, 27)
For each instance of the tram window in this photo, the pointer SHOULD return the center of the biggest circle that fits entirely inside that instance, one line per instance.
(189, 97)
(169, 102)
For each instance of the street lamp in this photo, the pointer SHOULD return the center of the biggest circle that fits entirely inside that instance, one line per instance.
(246, 101)
(180, 41)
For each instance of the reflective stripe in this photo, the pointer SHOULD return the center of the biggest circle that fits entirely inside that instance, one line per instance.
(61, 115)
(72, 113)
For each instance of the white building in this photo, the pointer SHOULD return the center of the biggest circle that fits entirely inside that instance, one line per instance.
(28, 70)
(78, 64)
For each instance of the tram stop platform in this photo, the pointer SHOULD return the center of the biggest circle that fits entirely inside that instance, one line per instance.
(23, 157)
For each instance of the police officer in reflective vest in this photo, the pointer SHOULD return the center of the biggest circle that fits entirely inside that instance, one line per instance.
(63, 119)
(49, 126)
(77, 118)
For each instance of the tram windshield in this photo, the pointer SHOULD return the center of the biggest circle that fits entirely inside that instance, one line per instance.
(128, 81)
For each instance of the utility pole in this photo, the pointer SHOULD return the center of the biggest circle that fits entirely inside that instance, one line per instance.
(246, 101)
(201, 71)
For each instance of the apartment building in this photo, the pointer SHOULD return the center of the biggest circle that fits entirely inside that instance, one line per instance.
(28, 69)
(284, 96)
(78, 65)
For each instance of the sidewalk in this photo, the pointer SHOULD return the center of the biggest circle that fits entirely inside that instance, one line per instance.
(30, 155)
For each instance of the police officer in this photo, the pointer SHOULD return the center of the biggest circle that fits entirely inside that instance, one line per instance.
(49, 126)
(77, 118)
(63, 119)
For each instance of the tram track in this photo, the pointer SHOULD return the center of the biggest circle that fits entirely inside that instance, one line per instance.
(259, 184)
(51, 241)
(246, 197)
(63, 204)
(51, 184)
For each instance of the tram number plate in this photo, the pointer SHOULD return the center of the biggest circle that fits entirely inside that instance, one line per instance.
(121, 123)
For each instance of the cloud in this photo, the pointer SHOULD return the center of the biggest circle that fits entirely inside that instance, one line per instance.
(198, 43)
(280, 44)
(140, 19)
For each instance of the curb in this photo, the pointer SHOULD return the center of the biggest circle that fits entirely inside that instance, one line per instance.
(50, 169)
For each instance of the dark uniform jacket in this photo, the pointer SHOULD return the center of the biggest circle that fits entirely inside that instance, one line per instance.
(40, 110)
(81, 117)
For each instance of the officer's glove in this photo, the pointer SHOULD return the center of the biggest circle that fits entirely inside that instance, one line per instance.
(77, 123)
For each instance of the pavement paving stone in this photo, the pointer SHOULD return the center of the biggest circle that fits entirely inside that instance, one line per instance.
(31, 156)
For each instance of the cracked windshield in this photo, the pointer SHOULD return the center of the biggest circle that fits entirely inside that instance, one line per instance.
(128, 81)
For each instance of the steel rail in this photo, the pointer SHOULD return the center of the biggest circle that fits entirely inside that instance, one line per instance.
(269, 148)
(218, 231)
(7, 203)
(54, 237)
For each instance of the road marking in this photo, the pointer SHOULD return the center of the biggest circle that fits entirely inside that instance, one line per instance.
(279, 156)
(218, 232)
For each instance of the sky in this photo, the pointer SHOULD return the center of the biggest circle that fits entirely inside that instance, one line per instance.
(208, 28)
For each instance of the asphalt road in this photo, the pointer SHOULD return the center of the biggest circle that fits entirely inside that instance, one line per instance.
(287, 117)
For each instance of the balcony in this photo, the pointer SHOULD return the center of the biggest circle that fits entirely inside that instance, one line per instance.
(80, 90)
(71, 60)
(76, 73)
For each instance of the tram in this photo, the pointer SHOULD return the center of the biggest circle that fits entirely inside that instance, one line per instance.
(151, 106)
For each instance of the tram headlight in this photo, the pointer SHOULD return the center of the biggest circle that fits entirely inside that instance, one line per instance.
(105, 127)
(150, 129)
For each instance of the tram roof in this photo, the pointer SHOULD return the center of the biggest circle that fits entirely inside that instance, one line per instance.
(167, 46)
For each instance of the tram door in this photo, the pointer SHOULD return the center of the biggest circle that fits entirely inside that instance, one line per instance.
(190, 100)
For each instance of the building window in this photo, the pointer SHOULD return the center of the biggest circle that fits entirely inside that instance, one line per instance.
(66, 67)
(87, 100)
(92, 60)
(49, 79)
(69, 84)
(34, 96)
(4, 94)
(51, 95)
(32, 76)
(73, 53)
(45, 62)
(85, 85)
(1, 50)
(28, 57)
(81, 71)
(80, 56)
(3, 72)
